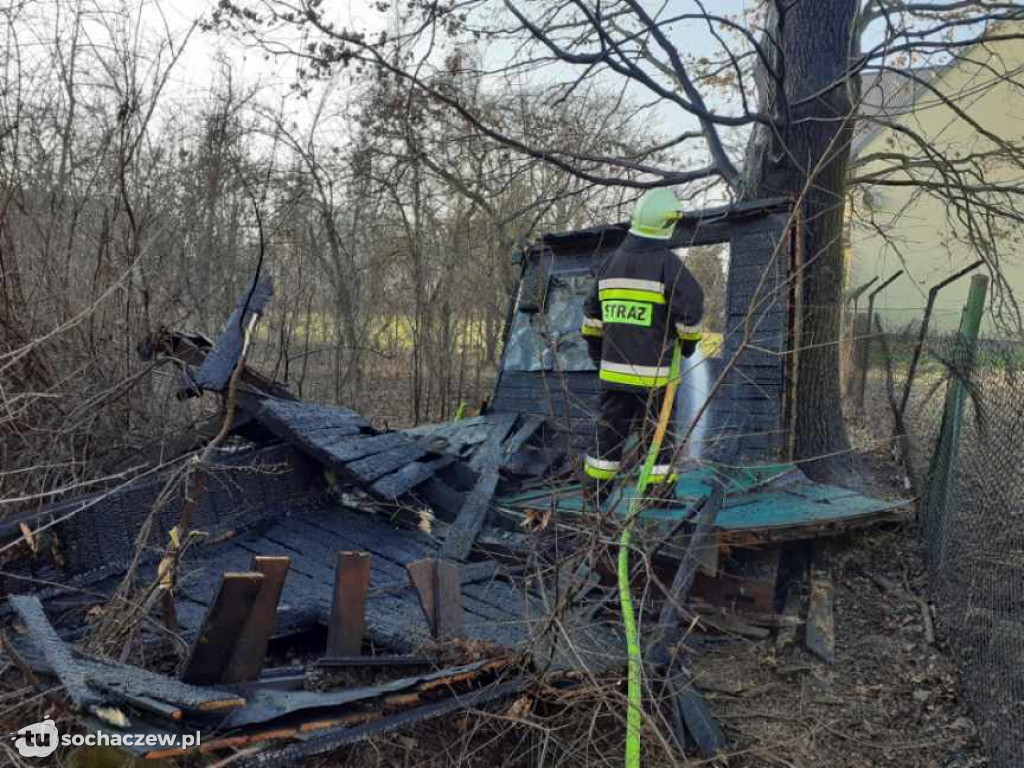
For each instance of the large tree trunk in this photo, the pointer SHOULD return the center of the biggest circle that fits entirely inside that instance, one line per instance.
(807, 158)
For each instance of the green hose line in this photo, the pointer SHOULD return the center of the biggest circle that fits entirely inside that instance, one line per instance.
(634, 687)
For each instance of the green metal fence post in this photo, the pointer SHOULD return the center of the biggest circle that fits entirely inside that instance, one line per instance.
(868, 337)
(941, 474)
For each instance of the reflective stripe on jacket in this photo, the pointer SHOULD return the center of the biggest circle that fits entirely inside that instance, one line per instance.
(643, 300)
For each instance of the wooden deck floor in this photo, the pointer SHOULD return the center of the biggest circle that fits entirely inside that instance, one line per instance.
(496, 610)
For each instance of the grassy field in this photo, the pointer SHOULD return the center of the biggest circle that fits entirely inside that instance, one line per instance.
(395, 332)
(383, 331)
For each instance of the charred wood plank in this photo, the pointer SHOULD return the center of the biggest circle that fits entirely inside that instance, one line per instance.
(390, 487)
(439, 586)
(112, 675)
(348, 609)
(339, 451)
(124, 679)
(521, 436)
(398, 483)
(789, 621)
(222, 628)
(265, 706)
(57, 654)
(472, 573)
(462, 438)
(671, 610)
(440, 462)
(489, 456)
(444, 500)
(422, 576)
(193, 351)
(250, 652)
(471, 518)
(294, 419)
(820, 631)
(266, 710)
(374, 467)
(143, 703)
(691, 708)
(448, 596)
(280, 679)
(682, 582)
(216, 369)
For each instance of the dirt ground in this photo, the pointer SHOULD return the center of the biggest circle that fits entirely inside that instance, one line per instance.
(891, 697)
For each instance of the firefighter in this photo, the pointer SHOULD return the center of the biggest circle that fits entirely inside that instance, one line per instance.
(644, 301)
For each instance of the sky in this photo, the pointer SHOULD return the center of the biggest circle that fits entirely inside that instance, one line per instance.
(206, 50)
(207, 53)
(195, 71)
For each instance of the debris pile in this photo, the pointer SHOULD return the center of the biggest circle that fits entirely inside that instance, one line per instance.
(380, 550)
(270, 708)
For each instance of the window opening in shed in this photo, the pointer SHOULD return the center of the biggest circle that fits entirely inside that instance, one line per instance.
(550, 340)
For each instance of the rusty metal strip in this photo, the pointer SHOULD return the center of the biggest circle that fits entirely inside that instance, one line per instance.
(394, 701)
(374, 661)
(335, 739)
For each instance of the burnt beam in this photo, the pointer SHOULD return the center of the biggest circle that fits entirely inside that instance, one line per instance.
(222, 627)
(439, 585)
(56, 653)
(348, 609)
(472, 517)
(250, 651)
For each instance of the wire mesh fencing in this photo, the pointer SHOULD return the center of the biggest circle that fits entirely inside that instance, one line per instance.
(954, 411)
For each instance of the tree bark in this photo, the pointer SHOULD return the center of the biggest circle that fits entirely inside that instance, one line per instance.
(807, 157)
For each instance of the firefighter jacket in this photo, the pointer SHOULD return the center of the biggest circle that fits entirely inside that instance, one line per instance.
(643, 300)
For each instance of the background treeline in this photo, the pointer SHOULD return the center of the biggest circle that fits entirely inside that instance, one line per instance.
(130, 202)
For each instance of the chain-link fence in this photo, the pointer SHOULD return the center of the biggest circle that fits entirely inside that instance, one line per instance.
(955, 413)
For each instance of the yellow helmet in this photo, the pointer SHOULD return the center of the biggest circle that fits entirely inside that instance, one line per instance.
(656, 214)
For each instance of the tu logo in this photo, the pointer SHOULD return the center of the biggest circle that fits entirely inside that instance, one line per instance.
(37, 740)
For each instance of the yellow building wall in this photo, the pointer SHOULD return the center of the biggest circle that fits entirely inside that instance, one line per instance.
(894, 228)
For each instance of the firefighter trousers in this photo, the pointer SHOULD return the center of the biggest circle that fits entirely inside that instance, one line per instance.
(623, 413)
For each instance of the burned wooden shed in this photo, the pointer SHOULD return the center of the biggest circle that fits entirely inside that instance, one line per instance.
(545, 369)
(394, 550)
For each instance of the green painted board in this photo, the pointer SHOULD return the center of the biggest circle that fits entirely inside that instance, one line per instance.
(780, 509)
(781, 498)
(696, 484)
